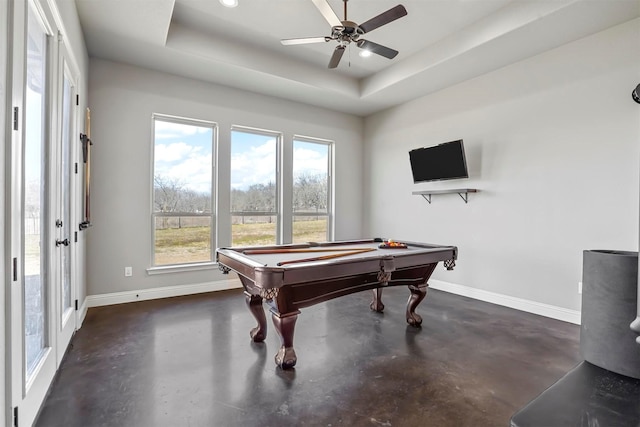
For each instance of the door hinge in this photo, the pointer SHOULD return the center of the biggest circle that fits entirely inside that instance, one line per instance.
(15, 269)
(76, 305)
(76, 168)
(15, 416)
(77, 99)
(16, 111)
(75, 237)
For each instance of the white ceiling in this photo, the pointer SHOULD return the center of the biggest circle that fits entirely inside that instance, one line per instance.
(441, 43)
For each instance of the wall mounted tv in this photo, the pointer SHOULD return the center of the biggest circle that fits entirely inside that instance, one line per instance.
(439, 162)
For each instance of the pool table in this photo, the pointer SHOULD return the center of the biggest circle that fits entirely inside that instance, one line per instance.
(291, 277)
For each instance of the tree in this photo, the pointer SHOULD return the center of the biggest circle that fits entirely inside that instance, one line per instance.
(310, 192)
(170, 195)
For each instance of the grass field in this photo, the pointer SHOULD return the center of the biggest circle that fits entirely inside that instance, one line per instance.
(192, 244)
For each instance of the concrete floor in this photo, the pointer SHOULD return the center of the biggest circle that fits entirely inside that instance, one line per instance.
(189, 361)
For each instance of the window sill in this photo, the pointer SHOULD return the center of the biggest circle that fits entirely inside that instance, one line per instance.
(151, 271)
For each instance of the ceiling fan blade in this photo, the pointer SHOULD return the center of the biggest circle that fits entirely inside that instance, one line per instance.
(384, 18)
(304, 40)
(327, 12)
(337, 55)
(377, 48)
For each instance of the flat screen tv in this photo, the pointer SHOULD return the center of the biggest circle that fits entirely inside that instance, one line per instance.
(439, 162)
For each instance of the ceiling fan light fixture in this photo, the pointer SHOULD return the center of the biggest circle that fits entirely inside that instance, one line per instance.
(365, 53)
(229, 3)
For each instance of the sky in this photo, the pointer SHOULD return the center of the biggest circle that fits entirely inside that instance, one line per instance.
(253, 159)
(184, 153)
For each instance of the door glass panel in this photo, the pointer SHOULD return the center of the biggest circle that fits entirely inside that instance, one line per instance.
(34, 252)
(65, 188)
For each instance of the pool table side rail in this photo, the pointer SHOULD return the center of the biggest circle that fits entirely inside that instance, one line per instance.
(267, 277)
(309, 245)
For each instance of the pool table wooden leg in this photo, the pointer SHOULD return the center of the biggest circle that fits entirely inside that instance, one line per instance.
(376, 304)
(254, 302)
(417, 295)
(285, 325)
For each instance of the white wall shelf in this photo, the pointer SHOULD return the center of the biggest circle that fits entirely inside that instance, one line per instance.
(462, 192)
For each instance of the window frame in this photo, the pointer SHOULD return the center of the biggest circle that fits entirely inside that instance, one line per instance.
(330, 183)
(213, 235)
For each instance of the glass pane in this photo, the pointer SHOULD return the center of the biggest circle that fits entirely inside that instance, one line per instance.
(249, 230)
(309, 229)
(310, 177)
(183, 166)
(64, 194)
(310, 191)
(183, 169)
(253, 187)
(34, 256)
(182, 239)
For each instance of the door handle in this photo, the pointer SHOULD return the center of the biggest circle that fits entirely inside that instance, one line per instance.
(64, 242)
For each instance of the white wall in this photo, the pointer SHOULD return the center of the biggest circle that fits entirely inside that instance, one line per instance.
(552, 143)
(122, 100)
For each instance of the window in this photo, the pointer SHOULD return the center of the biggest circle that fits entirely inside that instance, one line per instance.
(311, 190)
(183, 217)
(254, 188)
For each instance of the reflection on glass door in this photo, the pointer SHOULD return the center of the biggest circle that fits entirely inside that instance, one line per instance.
(35, 295)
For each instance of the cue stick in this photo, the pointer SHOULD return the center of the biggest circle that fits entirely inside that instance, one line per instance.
(320, 258)
(294, 250)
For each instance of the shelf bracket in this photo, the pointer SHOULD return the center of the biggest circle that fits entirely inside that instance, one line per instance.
(462, 192)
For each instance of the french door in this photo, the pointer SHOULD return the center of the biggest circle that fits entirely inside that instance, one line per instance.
(42, 319)
(64, 256)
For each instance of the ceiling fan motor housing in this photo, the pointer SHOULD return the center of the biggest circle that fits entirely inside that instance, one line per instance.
(347, 32)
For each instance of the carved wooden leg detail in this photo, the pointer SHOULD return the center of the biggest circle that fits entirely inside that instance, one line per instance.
(254, 302)
(417, 295)
(285, 326)
(376, 304)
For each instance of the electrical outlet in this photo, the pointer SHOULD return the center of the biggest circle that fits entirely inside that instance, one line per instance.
(128, 272)
(579, 287)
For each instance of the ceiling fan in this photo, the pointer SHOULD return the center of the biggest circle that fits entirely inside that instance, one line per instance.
(345, 32)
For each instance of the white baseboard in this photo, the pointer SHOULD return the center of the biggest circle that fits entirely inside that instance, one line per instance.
(161, 292)
(552, 311)
(82, 313)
